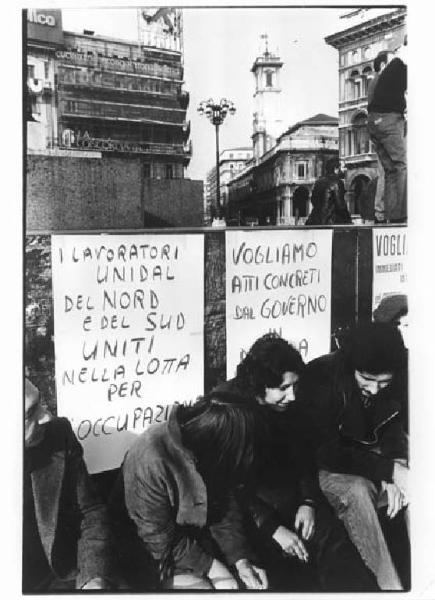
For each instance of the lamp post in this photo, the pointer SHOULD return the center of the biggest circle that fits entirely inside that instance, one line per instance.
(217, 112)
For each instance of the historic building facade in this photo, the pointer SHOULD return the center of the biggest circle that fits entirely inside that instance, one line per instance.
(107, 96)
(231, 162)
(358, 46)
(275, 188)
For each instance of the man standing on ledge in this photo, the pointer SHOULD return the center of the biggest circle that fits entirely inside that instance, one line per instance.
(386, 126)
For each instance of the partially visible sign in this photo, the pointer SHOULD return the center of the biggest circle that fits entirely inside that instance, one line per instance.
(278, 281)
(33, 16)
(390, 267)
(128, 326)
(45, 25)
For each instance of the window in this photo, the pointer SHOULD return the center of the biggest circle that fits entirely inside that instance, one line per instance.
(269, 75)
(147, 170)
(31, 71)
(46, 69)
(301, 170)
(349, 143)
(360, 134)
(368, 53)
(169, 172)
(357, 90)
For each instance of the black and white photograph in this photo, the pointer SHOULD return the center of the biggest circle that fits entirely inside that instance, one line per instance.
(216, 271)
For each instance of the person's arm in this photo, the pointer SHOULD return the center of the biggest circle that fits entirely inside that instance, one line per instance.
(95, 548)
(149, 506)
(230, 535)
(264, 516)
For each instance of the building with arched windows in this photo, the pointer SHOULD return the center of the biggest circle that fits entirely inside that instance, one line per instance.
(358, 46)
(275, 185)
(275, 188)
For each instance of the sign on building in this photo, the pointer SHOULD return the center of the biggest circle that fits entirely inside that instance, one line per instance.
(128, 326)
(390, 267)
(278, 281)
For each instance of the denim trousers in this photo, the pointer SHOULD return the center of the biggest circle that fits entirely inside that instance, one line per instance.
(356, 501)
(387, 132)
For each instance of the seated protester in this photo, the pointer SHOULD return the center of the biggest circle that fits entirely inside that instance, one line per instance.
(283, 497)
(355, 397)
(327, 198)
(67, 541)
(394, 309)
(177, 480)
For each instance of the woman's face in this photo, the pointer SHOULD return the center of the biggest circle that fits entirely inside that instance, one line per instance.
(278, 398)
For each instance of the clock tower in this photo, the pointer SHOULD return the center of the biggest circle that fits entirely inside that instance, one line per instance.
(267, 122)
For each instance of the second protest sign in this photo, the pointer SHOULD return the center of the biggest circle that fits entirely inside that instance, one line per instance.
(278, 281)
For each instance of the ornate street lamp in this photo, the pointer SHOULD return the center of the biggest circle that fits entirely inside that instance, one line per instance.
(217, 112)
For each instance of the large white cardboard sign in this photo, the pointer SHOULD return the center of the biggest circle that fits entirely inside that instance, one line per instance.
(390, 267)
(128, 323)
(278, 281)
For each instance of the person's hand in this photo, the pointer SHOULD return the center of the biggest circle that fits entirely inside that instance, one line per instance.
(396, 498)
(305, 521)
(253, 577)
(220, 577)
(290, 543)
(400, 477)
(97, 583)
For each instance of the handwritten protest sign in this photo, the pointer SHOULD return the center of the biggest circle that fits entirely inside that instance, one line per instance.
(389, 263)
(278, 281)
(128, 319)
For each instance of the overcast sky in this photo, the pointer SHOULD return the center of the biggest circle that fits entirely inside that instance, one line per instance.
(220, 46)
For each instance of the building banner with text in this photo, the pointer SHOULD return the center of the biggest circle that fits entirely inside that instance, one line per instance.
(278, 281)
(389, 263)
(128, 329)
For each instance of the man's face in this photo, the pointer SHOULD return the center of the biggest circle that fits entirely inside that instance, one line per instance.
(370, 384)
(402, 326)
(34, 416)
(278, 398)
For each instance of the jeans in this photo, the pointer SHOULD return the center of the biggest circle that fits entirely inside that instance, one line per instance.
(355, 501)
(387, 132)
(379, 197)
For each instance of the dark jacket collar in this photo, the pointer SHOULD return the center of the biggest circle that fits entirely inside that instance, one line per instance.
(384, 408)
(47, 476)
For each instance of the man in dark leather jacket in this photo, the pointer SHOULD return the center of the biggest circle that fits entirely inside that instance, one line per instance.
(356, 398)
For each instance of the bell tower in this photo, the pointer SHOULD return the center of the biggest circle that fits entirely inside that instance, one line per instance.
(267, 122)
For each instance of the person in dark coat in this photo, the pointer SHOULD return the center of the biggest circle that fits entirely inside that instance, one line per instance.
(355, 396)
(67, 540)
(327, 198)
(176, 485)
(283, 495)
